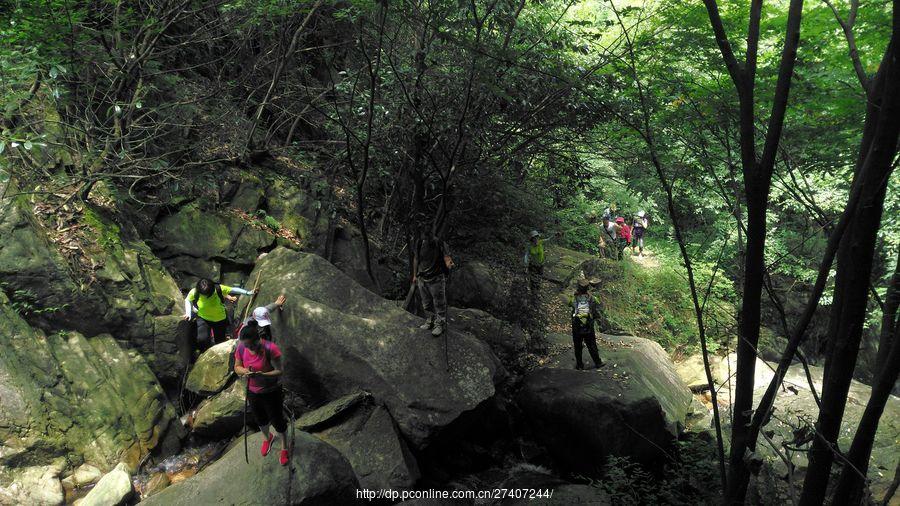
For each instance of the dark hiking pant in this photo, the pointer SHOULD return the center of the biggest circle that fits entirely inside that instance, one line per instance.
(579, 339)
(210, 333)
(268, 408)
(535, 275)
(434, 297)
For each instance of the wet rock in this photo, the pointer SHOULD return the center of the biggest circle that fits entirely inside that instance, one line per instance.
(213, 369)
(635, 406)
(155, 485)
(339, 337)
(112, 490)
(321, 476)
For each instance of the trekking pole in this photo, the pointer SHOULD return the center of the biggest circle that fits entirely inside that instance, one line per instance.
(252, 298)
(446, 353)
(246, 405)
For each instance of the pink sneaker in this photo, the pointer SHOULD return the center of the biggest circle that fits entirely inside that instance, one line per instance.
(267, 444)
(284, 457)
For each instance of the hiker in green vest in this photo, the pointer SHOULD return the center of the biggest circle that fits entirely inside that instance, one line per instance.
(534, 263)
(207, 301)
(585, 312)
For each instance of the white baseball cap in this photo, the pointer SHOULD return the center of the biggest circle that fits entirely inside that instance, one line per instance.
(261, 315)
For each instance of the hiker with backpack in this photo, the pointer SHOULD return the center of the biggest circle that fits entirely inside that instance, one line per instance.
(585, 313)
(623, 238)
(638, 228)
(258, 361)
(608, 241)
(207, 301)
(431, 268)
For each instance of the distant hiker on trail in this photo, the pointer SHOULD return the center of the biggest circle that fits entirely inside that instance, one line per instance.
(432, 266)
(624, 237)
(638, 227)
(534, 263)
(259, 362)
(207, 302)
(585, 312)
(262, 315)
(608, 241)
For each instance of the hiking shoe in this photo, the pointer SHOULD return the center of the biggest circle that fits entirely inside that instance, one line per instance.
(579, 367)
(599, 365)
(428, 325)
(438, 328)
(266, 446)
(284, 457)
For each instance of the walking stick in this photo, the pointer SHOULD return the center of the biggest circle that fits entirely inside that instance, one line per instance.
(446, 353)
(252, 298)
(246, 403)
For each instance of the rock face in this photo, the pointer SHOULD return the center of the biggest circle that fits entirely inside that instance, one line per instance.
(64, 393)
(507, 340)
(339, 337)
(369, 440)
(634, 406)
(212, 370)
(124, 289)
(112, 490)
(207, 234)
(321, 476)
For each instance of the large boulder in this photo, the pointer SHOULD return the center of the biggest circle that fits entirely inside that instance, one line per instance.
(635, 406)
(63, 393)
(507, 340)
(475, 285)
(369, 440)
(321, 475)
(209, 234)
(81, 269)
(223, 414)
(339, 337)
(561, 265)
(213, 369)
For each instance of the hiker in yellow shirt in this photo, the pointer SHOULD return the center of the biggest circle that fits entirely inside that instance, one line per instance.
(207, 302)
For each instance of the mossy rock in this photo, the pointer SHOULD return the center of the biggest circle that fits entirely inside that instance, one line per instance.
(213, 370)
(88, 396)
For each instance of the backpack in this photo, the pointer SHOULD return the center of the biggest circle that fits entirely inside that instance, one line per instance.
(218, 292)
(582, 313)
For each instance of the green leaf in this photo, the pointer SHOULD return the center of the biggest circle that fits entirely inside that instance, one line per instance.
(2, 147)
(27, 145)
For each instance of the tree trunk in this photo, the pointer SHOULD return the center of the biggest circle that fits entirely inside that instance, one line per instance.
(855, 258)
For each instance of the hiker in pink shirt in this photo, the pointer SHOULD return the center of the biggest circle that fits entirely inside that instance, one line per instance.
(259, 361)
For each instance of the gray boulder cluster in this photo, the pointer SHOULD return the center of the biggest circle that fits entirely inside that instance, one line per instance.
(92, 343)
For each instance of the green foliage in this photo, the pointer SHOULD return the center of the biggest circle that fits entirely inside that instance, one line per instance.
(690, 480)
(26, 303)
